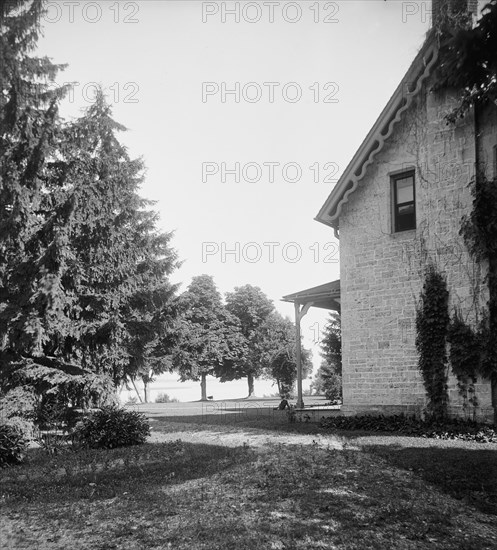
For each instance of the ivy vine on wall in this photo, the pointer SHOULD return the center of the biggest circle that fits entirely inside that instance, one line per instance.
(479, 231)
(432, 325)
(468, 63)
(473, 352)
(464, 356)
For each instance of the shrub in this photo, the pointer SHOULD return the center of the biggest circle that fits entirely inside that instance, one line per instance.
(17, 409)
(12, 445)
(18, 402)
(112, 427)
(455, 428)
(164, 398)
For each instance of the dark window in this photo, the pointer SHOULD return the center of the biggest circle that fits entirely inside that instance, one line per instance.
(404, 204)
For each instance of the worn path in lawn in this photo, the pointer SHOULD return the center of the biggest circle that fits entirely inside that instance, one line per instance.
(218, 476)
(234, 423)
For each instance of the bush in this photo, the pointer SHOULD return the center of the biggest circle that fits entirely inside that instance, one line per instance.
(112, 427)
(164, 398)
(17, 409)
(13, 445)
(455, 428)
(18, 402)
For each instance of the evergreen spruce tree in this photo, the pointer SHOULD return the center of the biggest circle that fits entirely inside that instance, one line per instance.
(328, 378)
(29, 126)
(331, 343)
(117, 262)
(84, 290)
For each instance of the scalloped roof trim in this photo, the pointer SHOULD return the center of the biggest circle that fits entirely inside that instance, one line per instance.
(342, 191)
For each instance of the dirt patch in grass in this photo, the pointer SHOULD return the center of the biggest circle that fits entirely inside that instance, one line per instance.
(227, 487)
(256, 435)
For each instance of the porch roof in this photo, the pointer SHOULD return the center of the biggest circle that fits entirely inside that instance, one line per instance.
(325, 296)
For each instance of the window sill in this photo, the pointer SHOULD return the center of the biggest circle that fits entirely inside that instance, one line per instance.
(403, 235)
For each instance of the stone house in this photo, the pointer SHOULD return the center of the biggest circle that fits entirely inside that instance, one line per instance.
(398, 206)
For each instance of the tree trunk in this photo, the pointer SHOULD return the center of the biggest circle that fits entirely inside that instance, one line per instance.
(145, 390)
(203, 387)
(493, 382)
(136, 390)
(250, 380)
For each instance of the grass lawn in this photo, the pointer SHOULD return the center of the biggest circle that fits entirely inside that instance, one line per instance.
(255, 484)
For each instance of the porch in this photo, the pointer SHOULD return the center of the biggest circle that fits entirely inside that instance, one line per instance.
(325, 296)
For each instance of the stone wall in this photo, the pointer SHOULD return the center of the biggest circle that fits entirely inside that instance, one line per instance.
(382, 271)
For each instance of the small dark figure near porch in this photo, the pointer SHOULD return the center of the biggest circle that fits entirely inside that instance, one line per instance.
(283, 405)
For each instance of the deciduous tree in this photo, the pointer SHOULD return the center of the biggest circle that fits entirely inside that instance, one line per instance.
(251, 306)
(277, 351)
(209, 339)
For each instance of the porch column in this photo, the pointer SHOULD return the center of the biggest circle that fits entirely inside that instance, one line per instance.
(300, 401)
(299, 313)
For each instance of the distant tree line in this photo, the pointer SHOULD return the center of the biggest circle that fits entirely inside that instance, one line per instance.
(243, 337)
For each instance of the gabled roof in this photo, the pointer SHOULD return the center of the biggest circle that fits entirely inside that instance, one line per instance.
(325, 296)
(383, 128)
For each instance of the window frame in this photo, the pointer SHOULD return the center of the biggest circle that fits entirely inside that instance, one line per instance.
(404, 174)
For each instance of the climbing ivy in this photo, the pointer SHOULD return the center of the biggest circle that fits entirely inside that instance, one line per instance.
(468, 63)
(432, 324)
(467, 59)
(479, 230)
(465, 358)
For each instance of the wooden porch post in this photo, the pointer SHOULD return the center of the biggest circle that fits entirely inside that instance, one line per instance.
(300, 402)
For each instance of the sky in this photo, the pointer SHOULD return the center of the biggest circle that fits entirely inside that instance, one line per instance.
(245, 114)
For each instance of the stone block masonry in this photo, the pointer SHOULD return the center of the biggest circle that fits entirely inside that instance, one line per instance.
(382, 272)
